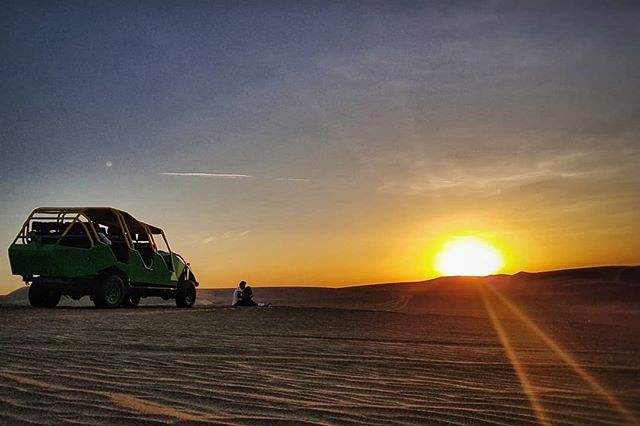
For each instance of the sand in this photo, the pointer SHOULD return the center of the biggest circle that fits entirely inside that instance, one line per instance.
(497, 358)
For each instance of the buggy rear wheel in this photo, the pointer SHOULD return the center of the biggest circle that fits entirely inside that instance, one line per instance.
(185, 294)
(131, 300)
(42, 295)
(109, 292)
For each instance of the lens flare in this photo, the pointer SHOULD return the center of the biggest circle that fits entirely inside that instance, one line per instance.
(564, 355)
(468, 256)
(527, 387)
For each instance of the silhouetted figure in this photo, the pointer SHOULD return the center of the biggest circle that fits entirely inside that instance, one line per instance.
(243, 296)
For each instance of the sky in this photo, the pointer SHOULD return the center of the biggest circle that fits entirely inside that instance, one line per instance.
(330, 143)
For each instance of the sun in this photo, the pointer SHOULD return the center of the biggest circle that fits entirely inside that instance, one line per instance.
(468, 256)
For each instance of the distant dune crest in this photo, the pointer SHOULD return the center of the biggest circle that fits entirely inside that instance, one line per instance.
(618, 285)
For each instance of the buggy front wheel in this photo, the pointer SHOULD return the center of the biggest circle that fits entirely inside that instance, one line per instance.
(185, 294)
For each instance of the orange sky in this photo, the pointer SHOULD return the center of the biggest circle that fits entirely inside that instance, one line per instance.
(331, 145)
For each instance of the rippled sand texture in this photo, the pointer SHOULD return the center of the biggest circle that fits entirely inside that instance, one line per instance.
(162, 365)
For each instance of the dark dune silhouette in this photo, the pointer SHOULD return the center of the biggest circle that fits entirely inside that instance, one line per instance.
(589, 289)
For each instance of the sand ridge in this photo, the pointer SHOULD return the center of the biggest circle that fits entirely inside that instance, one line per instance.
(302, 366)
(500, 351)
(126, 401)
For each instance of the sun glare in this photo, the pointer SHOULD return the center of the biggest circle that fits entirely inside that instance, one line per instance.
(469, 256)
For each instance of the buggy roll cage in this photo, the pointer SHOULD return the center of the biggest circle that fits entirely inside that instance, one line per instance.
(87, 217)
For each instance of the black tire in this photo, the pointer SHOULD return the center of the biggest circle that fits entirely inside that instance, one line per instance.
(108, 292)
(131, 300)
(185, 294)
(43, 296)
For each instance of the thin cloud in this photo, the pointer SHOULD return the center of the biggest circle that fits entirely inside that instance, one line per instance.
(226, 235)
(231, 176)
(208, 175)
(293, 179)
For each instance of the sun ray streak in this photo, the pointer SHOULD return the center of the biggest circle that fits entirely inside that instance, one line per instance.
(515, 362)
(567, 358)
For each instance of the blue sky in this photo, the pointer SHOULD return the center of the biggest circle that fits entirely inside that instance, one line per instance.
(360, 133)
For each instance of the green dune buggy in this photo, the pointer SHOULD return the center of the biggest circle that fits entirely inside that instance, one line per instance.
(100, 252)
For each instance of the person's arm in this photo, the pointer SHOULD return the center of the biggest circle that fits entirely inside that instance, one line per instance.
(104, 239)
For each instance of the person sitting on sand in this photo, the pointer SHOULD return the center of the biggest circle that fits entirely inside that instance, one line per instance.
(237, 293)
(243, 296)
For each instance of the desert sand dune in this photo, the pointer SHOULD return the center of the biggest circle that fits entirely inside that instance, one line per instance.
(582, 288)
(490, 352)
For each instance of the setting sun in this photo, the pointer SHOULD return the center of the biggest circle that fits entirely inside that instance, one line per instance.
(469, 256)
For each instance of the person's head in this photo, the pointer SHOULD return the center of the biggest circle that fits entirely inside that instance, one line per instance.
(242, 284)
